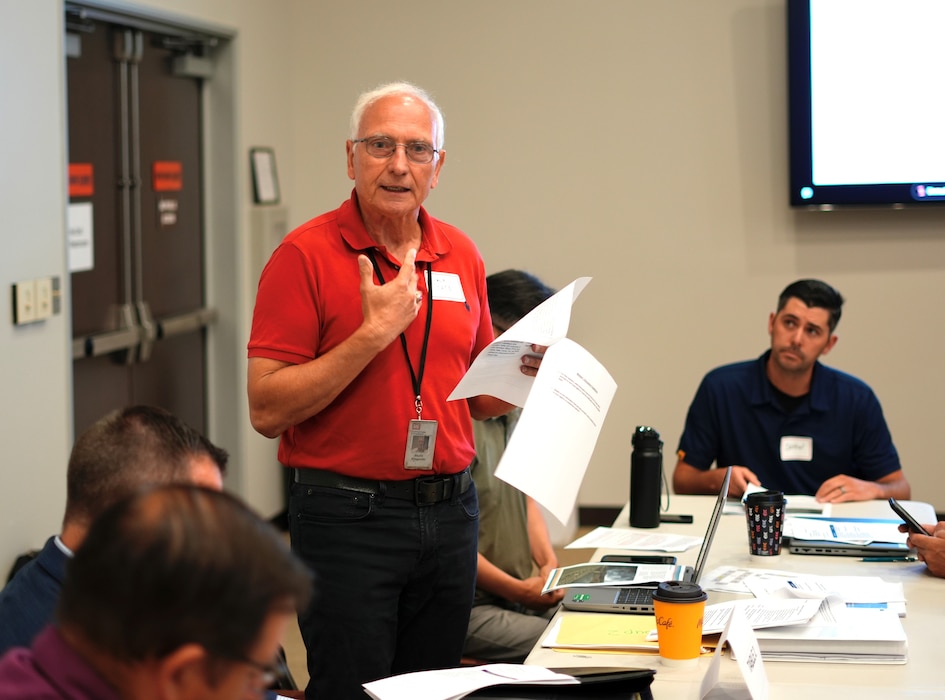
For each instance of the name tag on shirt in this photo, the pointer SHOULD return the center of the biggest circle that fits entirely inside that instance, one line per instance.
(796, 449)
(447, 287)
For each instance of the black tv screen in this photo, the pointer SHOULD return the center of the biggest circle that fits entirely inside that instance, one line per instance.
(866, 93)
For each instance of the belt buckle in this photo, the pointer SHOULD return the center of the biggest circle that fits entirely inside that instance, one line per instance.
(428, 490)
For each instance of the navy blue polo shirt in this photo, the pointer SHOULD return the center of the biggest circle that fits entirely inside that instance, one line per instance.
(736, 419)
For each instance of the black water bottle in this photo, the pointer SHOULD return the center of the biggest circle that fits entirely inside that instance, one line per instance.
(646, 470)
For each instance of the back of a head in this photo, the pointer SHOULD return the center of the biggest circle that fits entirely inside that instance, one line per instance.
(179, 565)
(815, 294)
(366, 99)
(130, 449)
(513, 293)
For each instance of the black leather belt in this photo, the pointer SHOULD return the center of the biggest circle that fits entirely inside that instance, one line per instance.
(423, 491)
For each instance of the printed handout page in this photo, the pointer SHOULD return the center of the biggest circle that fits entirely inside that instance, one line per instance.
(563, 406)
(551, 446)
(495, 372)
(762, 612)
(855, 591)
(609, 574)
(623, 538)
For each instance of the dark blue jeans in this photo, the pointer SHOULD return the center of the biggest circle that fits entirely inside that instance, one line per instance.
(394, 584)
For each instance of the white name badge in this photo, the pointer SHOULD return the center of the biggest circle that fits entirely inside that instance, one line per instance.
(447, 287)
(796, 449)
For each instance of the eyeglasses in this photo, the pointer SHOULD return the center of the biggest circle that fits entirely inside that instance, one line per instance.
(267, 672)
(384, 147)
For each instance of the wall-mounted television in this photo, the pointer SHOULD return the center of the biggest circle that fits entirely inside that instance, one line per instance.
(866, 93)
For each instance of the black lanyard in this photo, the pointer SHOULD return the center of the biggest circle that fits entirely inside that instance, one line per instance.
(416, 377)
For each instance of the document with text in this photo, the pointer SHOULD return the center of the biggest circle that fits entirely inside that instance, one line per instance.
(495, 372)
(563, 407)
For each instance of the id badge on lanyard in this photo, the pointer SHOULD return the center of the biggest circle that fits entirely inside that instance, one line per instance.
(421, 434)
(421, 439)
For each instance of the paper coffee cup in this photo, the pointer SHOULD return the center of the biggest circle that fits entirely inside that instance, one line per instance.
(764, 511)
(679, 608)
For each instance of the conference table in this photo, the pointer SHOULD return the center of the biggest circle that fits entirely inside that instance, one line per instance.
(922, 676)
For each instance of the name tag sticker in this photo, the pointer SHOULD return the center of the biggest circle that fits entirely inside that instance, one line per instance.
(447, 287)
(796, 449)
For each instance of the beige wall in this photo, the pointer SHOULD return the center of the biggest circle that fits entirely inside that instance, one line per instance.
(640, 143)
(643, 144)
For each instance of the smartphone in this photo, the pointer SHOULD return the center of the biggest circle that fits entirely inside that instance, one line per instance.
(913, 524)
(672, 518)
(638, 559)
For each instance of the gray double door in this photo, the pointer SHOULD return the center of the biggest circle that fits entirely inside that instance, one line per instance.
(139, 316)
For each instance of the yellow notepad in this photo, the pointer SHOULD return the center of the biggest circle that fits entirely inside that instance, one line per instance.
(607, 631)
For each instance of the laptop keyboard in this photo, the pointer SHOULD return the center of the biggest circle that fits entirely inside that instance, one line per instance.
(635, 596)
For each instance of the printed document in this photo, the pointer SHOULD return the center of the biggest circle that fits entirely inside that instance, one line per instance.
(622, 538)
(563, 407)
(495, 372)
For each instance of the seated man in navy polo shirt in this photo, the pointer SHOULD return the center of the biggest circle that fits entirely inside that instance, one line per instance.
(787, 422)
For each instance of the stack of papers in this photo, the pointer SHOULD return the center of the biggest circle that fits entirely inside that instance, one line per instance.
(795, 618)
(838, 635)
(849, 530)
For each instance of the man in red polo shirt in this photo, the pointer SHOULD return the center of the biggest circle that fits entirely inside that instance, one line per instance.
(366, 318)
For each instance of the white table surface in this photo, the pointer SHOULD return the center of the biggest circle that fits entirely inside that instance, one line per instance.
(923, 676)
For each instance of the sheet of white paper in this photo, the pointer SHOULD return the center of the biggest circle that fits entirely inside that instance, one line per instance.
(450, 683)
(496, 370)
(740, 637)
(550, 448)
(766, 612)
(857, 590)
(731, 579)
(80, 238)
(620, 538)
(840, 530)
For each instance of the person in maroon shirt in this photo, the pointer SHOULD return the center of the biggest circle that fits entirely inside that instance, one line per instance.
(177, 592)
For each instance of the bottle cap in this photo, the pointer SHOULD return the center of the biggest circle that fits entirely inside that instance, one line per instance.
(646, 436)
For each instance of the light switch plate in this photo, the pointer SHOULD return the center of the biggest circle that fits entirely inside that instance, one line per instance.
(24, 302)
(44, 298)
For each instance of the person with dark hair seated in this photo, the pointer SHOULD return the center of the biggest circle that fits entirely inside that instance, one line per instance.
(515, 551)
(787, 422)
(119, 454)
(178, 592)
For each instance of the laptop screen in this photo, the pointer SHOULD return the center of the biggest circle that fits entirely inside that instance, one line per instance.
(713, 526)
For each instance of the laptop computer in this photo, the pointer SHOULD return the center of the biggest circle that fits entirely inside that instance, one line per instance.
(798, 545)
(638, 599)
(846, 549)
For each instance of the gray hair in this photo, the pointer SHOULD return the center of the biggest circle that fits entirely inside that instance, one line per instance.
(401, 88)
